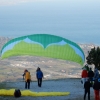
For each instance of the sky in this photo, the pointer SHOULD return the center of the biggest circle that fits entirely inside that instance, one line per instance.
(76, 20)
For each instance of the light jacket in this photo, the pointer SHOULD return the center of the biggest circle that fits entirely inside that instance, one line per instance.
(27, 76)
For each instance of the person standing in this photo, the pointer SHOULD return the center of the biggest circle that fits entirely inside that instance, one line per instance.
(87, 86)
(27, 79)
(84, 75)
(96, 74)
(90, 76)
(39, 75)
(96, 88)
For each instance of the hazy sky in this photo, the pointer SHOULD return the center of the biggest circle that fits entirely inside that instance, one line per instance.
(77, 20)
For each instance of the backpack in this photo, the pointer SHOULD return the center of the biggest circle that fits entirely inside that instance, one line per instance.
(17, 93)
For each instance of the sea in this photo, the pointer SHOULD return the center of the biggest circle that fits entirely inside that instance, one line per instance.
(71, 20)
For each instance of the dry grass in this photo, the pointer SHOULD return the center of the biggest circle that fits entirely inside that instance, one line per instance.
(12, 69)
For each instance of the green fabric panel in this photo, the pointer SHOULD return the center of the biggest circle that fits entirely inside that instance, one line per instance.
(65, 52)
(54, 51)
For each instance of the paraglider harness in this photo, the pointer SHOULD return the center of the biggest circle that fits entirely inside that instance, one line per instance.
(17, 93)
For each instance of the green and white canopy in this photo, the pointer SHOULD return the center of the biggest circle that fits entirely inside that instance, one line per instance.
(44, 45)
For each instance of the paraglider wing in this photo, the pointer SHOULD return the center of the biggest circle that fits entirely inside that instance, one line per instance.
(44, 45)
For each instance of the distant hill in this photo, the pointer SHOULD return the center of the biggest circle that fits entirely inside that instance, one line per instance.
(3, 40)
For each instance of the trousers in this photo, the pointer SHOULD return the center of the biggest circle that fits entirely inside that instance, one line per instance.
(87, 91)
(39, 82)
(96, 93)
(27, 84)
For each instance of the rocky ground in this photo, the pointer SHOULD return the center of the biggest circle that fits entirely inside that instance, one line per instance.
(72, 85)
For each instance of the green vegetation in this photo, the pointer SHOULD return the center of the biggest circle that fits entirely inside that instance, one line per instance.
(94, 57)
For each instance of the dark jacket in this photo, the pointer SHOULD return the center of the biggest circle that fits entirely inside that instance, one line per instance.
(87, 85)
(96, 85)
(39, 74)
(90, 73)
(96, 74)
